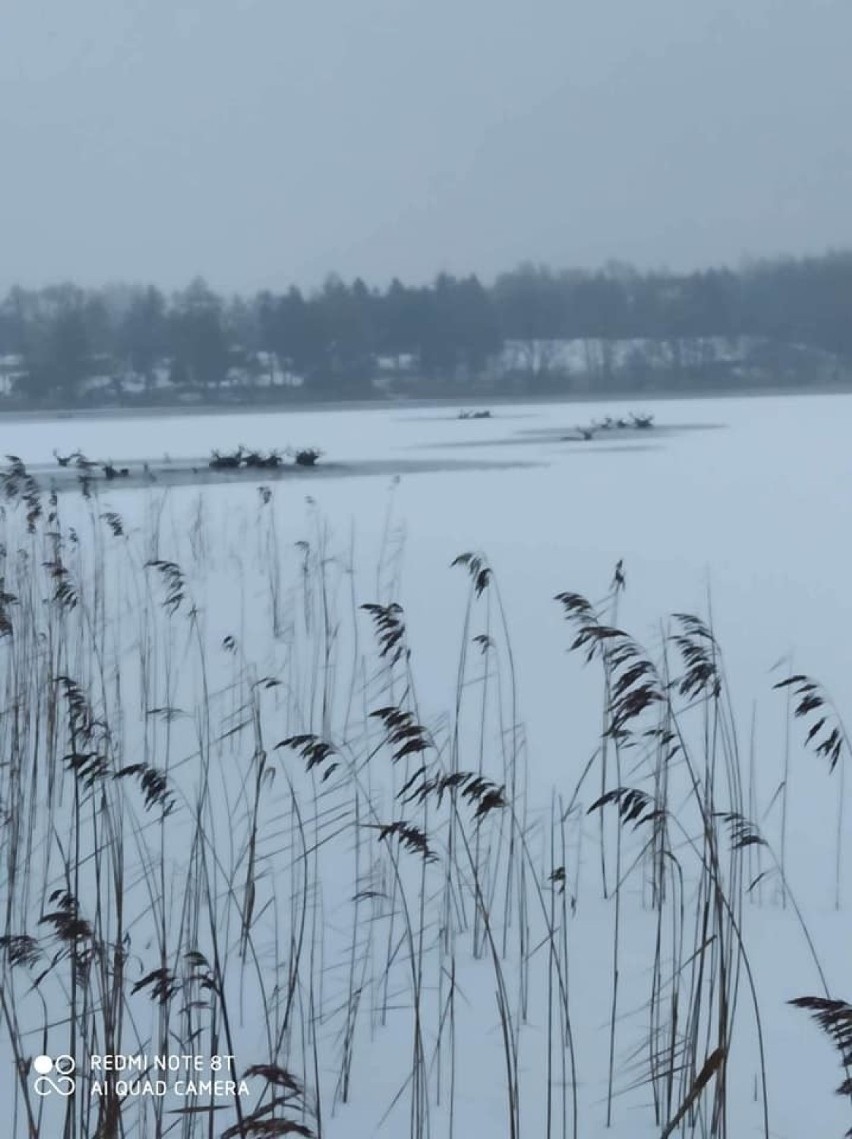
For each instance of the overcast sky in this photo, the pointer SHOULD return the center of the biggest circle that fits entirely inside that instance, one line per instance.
(266, 142)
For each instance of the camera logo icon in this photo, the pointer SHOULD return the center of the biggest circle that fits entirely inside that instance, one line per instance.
(54, 1074)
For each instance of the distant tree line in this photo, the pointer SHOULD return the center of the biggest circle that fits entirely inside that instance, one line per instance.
(781, 320)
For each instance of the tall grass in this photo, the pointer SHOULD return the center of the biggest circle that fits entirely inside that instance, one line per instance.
(232, 827)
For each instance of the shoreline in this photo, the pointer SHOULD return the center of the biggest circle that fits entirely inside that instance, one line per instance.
(181, 410)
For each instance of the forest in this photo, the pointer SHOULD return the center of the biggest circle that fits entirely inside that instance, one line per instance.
(534, 330)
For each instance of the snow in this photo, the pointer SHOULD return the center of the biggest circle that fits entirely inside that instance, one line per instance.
(589, 354)
(734, 508)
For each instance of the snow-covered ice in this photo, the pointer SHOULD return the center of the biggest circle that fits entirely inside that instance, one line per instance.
(737, 510)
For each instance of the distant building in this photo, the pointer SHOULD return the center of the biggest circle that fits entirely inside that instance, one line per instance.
(13, 370)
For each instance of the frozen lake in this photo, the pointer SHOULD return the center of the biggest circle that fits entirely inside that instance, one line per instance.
(742, 503)
(737, 510)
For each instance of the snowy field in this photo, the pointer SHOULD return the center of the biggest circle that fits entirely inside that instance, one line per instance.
(176, 884)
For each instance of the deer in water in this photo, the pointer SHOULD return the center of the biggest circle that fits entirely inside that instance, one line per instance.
(226, 462)
(642, 421)
(64, 460)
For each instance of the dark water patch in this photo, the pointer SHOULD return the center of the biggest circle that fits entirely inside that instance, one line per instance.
(573, 433)
(198, 473)
(584, 448)
(573, 443)
(663, 430)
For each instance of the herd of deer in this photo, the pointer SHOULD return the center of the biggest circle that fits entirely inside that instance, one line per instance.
(241, 459)
(88, 465)
(635, 422)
